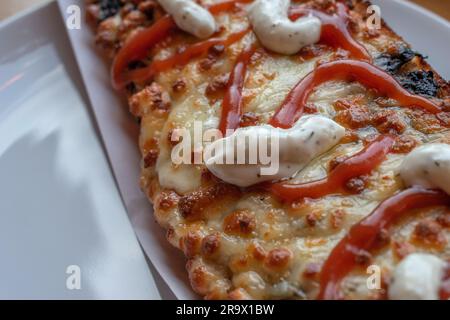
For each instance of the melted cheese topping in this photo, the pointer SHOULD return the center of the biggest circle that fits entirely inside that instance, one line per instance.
(428, 166)
(190, 17)
(244, 233)
(417, 277)
(289, 150)
(279, 34)
(182, 178)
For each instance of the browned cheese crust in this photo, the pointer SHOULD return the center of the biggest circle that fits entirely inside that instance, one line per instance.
(246, 244)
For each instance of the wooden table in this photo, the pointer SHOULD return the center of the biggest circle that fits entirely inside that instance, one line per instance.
(441, 7)
(10, 7)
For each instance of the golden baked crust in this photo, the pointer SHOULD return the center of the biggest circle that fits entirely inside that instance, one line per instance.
(246, 244)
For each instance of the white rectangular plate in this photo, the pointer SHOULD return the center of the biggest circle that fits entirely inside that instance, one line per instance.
(59, 203)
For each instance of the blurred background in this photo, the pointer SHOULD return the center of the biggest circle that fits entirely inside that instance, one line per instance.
(10, 7)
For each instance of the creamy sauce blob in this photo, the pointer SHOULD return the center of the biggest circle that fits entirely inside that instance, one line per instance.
(276, 32)
(263, 153)
(190, 17)
(428, 166)
(417, 277)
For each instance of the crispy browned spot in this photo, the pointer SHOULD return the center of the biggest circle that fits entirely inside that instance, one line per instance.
(424, 122)
(312, 218)
(310, 108)
(150, 158)
(191, 244)
(249, 119)
(152, 97)
(210, 244)
(217, 85)
(213, 53)
(429, 233)
(388, 121)
(444, 219)
(216, 50)
(336, 218)
(240, 223)
(444, 118)
(167, 200)
(207, 63)
(351, 114)
(147, 7)
(257, 252)
(193, 205)
(278, 259)
(132, 20)
(198, 277)
(150, 144)
(404, 144)
(179, 85)
(349, 137)
(356, 185)
(107, 36)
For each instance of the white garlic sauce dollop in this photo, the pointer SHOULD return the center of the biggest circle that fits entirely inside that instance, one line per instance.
(417, 277)
(290, 150)
(428, 166)
(276, 32)
(190, 17)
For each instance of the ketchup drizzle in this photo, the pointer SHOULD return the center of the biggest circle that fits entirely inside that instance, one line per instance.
(182, 58)
(370, 76)
(138, 46)
(335, 30)
(360, 164)
(232, 101)
(226, 5)
(363, 235)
